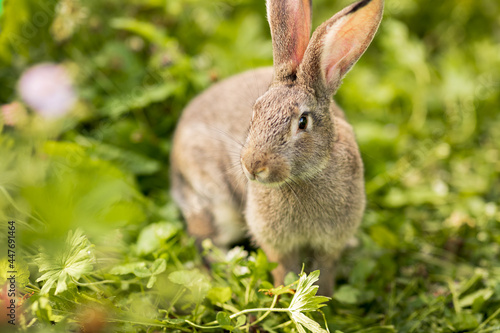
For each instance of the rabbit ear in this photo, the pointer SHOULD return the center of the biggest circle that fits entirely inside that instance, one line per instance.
(338, 43)
(290, 22)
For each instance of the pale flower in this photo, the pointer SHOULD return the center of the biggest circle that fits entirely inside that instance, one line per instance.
(13, 114)
(47, 89)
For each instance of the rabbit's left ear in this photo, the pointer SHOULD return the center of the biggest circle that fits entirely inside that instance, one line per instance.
(338, 43)
(290, 23)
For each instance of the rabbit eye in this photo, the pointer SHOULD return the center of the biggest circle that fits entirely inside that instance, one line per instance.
(303, 123)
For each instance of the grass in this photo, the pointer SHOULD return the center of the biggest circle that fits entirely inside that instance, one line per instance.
(99, 245)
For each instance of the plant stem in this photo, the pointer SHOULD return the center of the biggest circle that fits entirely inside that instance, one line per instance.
(145, 323)
(32, 286)
(282, 325)
(454, 296)
(176, 298)
(326, 321)
(13, 203)
(247, 291)
(228, 307)
(275, 300)
(268, 310)
(259, 310)
(93, 283)
(201, 326)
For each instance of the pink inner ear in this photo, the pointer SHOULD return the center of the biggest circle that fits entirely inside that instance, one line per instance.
(347, 39)
(300, 28)
(290, 23)
(338, 59)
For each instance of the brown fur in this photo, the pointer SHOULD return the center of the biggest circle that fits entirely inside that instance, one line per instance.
(303, 194)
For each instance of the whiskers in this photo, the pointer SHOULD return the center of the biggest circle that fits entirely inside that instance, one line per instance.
(225, 137)
(225, 149)
(230, 149)
(222, 145)
(291, 184)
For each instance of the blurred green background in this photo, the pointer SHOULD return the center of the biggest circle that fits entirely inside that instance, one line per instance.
(424, 102)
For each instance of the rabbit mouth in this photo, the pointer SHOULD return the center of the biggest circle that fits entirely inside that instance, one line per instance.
(273, 177)
(267, 183)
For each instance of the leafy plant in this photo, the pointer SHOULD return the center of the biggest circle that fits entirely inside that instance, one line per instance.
(423, 101)
(303, 301)
(65, 265)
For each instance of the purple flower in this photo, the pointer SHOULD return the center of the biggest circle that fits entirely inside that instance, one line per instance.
(47, 89)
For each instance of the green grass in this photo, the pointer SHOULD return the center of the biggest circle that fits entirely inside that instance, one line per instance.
(100, 247)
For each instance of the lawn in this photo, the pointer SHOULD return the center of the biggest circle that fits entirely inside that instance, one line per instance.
(96, 243)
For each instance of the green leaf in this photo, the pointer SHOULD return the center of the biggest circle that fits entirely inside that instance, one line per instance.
(305, 300)
(361, 271)
(84, 192)
(126, 159)
(151, 281)
(279, 290)
(127, 268)
(63, 265)
(42, 308)
(266, 285)
(117, 106)
(384, 237)
(194, 280)
(302, 321)
(469, 299)
(241, 320)
(145, 29)
(219, 294)
(465, 321)
(61, 282)
(158, 266)
(154, 235)
(18, 33)
(224, 320)
(347, 294)
(142, 272)
(260, 267)
(22, 272)
(291, 278)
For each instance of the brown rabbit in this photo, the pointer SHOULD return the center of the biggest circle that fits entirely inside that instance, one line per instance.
(268, 152)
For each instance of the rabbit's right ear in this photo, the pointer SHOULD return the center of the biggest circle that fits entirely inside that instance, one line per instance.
(290, 23)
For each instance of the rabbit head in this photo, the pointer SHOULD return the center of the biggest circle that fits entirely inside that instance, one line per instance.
(292, 130)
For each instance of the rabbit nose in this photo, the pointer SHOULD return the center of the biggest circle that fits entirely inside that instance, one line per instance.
(262, 173)
(255, 170)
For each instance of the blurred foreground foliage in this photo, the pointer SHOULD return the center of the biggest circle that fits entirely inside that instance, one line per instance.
(105, 248)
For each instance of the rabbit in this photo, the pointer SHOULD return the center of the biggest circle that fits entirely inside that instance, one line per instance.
(268, 154)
